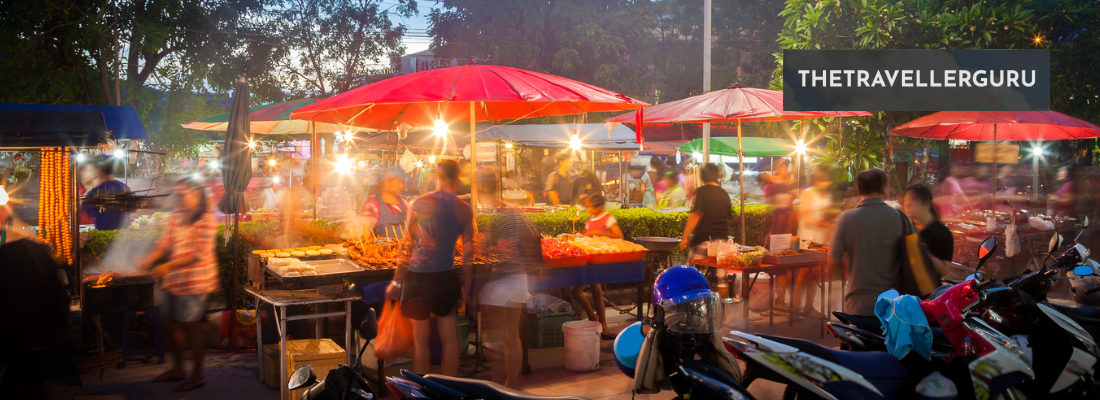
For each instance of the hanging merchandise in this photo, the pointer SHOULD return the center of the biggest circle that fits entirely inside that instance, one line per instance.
(54, 203)
(407, 161)
(678, 156)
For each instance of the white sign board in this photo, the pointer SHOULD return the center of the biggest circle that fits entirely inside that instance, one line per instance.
(778, 243)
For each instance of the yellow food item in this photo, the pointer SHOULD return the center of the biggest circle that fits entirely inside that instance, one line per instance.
(325, 251)
(282, 254)
(298, 253)
(289, 250)
(266, 255)
(257, 252)
(313, 253)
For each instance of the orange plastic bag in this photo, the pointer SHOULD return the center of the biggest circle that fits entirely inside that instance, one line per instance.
(394, 333)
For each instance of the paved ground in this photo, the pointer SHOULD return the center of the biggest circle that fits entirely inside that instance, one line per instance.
(234, 376)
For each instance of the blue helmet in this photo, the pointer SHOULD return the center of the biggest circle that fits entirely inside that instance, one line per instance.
(679, 284)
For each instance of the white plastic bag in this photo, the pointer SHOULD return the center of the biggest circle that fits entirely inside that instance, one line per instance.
(1040, 224)
(1012, 242)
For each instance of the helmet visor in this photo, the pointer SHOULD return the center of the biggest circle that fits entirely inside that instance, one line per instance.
(702, 315)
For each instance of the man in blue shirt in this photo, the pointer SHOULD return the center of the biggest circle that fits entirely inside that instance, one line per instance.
(107, 219)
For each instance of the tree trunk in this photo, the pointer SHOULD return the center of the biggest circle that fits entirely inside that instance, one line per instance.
(925, 158)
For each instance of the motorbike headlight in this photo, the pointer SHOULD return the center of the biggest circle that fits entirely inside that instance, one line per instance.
(997, 338)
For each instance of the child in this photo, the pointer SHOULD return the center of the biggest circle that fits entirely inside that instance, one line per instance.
(601, 223)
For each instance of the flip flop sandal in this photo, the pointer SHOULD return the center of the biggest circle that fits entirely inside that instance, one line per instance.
(167, 376)
(188, 385)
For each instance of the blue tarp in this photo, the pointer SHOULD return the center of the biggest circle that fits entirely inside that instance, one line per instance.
(122, 121)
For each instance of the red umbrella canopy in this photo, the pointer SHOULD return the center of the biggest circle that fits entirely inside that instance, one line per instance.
(1011, 126)
(727, 105)
(499, 92)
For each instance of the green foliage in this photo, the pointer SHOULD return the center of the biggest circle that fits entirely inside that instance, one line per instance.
(640, 222)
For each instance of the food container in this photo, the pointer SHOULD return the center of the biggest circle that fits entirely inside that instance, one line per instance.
(615, 258)
(565, 262)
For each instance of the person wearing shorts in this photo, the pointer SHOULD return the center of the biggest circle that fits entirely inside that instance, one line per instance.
(428, 284)
(185, 281)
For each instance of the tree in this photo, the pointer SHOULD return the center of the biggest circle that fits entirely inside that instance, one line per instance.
(886, 24)
(337, 45)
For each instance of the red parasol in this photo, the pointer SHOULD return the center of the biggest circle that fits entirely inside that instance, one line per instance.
(998, 125)
(444, 94)
(731, 104)
(466, 93)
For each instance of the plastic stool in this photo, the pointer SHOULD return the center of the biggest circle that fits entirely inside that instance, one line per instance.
(155, 348)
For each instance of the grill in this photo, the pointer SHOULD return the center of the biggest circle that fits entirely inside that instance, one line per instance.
(123, 293)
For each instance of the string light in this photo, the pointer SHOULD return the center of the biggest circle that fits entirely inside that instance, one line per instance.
(440, 128)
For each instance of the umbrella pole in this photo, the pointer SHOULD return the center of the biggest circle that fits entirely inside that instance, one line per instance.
(993, 202)
(232, 303)
(473, 154)
(313, 153)
(741, 167)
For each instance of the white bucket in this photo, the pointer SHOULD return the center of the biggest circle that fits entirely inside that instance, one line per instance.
(582, 345)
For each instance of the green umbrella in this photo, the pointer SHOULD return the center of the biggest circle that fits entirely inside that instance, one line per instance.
(754, 146)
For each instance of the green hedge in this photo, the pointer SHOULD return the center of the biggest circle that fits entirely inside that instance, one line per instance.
(639, 222)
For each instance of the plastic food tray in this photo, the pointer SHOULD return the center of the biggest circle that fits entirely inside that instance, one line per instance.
(615, 258)
(565, 262)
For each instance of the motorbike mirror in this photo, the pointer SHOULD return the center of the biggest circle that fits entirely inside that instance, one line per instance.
(1083, 270)
(368, 330)
(302, 377)
(989, 245)
(974, 276)
(1055, 243)
(1085, 222)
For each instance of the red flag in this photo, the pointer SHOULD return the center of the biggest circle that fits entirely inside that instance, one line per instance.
(638, 128)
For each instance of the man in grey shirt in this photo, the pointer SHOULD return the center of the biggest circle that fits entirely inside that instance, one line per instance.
(869, 235)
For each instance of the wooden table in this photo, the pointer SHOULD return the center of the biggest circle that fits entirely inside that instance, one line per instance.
(773, 270)
(281, 299)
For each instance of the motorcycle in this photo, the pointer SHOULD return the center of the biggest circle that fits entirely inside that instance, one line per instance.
(991, 362)
(344, 382)
(417, 386)
(1064, 353)
(685, 316)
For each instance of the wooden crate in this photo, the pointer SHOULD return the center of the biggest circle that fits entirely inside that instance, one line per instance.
(270, 374)
(322, 355)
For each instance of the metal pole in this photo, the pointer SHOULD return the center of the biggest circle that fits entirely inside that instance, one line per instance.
(993, 201)
(741, 167)
(1034, 175)
(473, 154)
(706, 73)
(314, 152)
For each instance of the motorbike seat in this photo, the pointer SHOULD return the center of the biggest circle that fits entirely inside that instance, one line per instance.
(479, 389)
(881, 369)
(872, 324)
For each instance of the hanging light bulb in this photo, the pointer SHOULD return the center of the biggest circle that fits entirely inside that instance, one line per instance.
(276, 180)
(348, 136)
(3, 196)
(440, 128)
(575, 142)
(79, 157)
(362, 163)
(118, 153)
(507, 145)
(420, 164)
(213, 164)
(431, 160)
(251, 144)
(271, 162)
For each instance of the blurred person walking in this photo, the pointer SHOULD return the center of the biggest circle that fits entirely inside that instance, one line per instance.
(674, 196)
(106, 220)
(813, 226)
(935, 236)
(868, 237)
(558, 184)
(428, 284)
(585, 185)
(779, 194)
(189, 276)
(1063, 202)
(710, 215)
(951, 198)
(505, 292)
